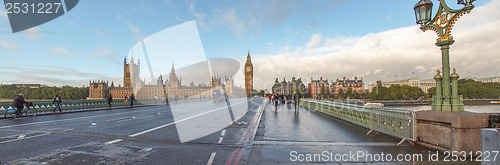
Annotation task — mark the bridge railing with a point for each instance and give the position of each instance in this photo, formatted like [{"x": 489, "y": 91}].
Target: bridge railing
[
  {"x": 47, "y": 106},
  {"x": 395, "y": 122}
]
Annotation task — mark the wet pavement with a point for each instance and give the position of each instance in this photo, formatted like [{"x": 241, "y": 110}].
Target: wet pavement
[
  {"x": 241, "y": 131},
  {"x": 312, "y": 137},
  {"x": 176, "y": 134}
]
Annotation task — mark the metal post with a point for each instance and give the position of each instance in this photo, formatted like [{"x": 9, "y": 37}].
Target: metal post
[
  {"x": 445, "y": 50},
  {"x": 438, "y": 98},
  {"x": 457, "y": 105}
]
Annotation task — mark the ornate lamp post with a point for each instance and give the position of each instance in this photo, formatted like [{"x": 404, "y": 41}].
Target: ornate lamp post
[{"x": 442, "y": 24}]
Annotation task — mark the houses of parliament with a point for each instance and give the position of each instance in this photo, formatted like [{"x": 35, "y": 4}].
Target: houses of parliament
[{"x": 172, "y": 87}]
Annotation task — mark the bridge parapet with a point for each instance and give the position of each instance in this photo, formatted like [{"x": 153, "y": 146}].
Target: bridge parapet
[{"x": 396, "y": 122}]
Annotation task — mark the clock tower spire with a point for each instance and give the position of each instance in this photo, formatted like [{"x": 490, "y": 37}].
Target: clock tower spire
[{"x": 249, "y": 75}]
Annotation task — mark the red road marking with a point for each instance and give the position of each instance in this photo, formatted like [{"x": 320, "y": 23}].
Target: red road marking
[
  {"x": 245, "y": 138},
  {"x": 232, "y": 156},
  {"x": 239, "y": 157}
]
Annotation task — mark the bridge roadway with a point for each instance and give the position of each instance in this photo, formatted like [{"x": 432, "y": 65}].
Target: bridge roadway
[{"x": 241, "y": 131}]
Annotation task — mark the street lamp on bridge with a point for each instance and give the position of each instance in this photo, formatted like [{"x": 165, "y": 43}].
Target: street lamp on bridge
[{"x": 442, "y": 24}]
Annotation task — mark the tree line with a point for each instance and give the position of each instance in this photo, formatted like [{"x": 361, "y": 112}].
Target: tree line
[
  {"x": 66, "y": 92},
  {"x": 468, "y": 88}
]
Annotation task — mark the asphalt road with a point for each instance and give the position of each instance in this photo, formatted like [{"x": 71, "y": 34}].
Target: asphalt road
[
  {"x": 191, "y": 133},
  {"x": 241, "y": 131}
]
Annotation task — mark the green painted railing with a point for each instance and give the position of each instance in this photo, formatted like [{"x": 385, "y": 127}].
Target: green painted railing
[
  {"x": 396, "y": 122},
  {"x": 46, "y": 106}
]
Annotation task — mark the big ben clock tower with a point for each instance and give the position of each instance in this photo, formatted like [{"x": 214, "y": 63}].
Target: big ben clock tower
[{"x": 249, "y": 76}]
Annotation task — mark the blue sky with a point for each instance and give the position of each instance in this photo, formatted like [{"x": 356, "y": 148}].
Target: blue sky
[{"x": 285, "y": 37}]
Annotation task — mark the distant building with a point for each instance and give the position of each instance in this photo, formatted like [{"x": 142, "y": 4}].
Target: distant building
[
  {"x": 414, "y": 82},
  {"x": 486, "y": 80},
  {"x": 173, "y": 86},
  {"x": 28, "y": 85},
  {"x": 288, "y": 88},
  {"x": 357, "y": 85},
  {"x": 315, "y": 87},
  {"x": 425, "y": 85}
]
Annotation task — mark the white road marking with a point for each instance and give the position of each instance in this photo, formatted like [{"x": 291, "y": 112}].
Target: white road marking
[
  {"x": 25, "y": 138},
  {"x": 145, "y": 150},
  {"x": 220, "y": 139},
  {"x": 161, "y": 126},
  {"x": 211, "y": 159},
  {"x": 113, "y": 141},
  {"x": 10, "y": 136},
  {"x": 117, "y": 119},
  {"x": 135, "y": 118},
  {"x": 21, "y": 136},
  {"x": 223, "y": 133}
]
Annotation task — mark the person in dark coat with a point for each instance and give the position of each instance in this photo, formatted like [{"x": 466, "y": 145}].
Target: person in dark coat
[
  {"x": 296, "y": 99},
  {"x": 110, "y": 99},
  {"x": 131, "y": 99},
  {"x": 19, "y": 103},
  {"x": 57, "y": 101}
]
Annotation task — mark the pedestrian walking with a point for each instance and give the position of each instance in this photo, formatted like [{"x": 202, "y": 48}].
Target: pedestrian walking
[
  {"x": 275, "y": 101},
  {"x": 110, "y": 99},
  {"x": 57, "y": 101},
  {"x": 126, "y": 100},
  {"x": 296, "y": 99},
  {"x": 131, "y": 99}
]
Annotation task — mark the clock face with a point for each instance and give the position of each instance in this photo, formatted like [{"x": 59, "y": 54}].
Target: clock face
[{"x": 248, "y": 69}]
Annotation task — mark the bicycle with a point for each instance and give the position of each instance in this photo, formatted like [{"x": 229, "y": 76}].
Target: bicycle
[{"x": 29, "y": 112}]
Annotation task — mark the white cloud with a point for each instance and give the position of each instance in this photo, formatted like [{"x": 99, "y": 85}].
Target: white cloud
[
  {"x": 102, "y": 52},
  {"x": 33, "y": 33},
  {"x": 388, "y": 17},
  {"x": 10, "y": 45},
  {"x": 389, "y": 55},
  {"x": 132, "y": 27},
  {"x": 59, "y": 50},
  {"x": 233, "y": 22},
  {"x": 71, "y": 23},
  {"x": 315, "y": 41}
]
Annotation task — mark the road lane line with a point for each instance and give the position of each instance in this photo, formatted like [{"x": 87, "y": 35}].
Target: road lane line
[
  {"x": 232, "y": 156},
  {"x": 223, "y": 133},
  {"x": 145, "y": 150},
  {"x": 117, "y": 119},
  {"x": 25, "y": 138},
  {"x": 211, "y": 159},
  {"x": 10, "y": 136},
  {"x": 113, "y": 141},
  {"x": 21, "y": 136},
  {"x": 249, "y": 132},
  {"x": 165, "y": 125},
  {"x": 237, "y": 160},
  {"x": 220, "y": 140},
  {"x": 134, "y": 118}
]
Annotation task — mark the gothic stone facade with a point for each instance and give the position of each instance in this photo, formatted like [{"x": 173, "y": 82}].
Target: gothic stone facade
[{"x": 172, "y": 87}]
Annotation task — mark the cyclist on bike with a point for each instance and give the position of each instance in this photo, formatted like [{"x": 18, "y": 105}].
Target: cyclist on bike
[{"x": 19, "y": 103}]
